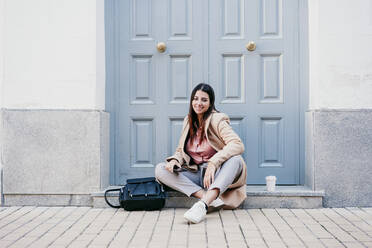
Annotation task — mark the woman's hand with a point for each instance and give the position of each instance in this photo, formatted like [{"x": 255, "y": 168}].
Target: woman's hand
[
  {"x": 170, "y": 165},
  {"x": 209, "y": 176}
]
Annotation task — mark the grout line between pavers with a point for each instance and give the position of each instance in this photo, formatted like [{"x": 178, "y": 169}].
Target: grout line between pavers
[
  {"x": 38, "y": 238},
  {"x": 153, "y": 229},
  {"x": 170, "y": 230},
  {"x": 102, "y": 228},
  {"x": 188, "y": 235},
  {"x": 306, "y": 227},
  {"x": 339, "y": 226},
  {"x": 116, "y": 234},
  {"x": 363, "y": 219},
  {"x": 280, "y": 236},
  {"x": 367, "y": 210},
  {"x": 240, "y": 228},
  {"x": 135, "y": 230},
  {"x": 206, "y": 232},
  {"x": 68, "y": 228},
  {"x": 258, "y": 228},
  {"x": 325, "y": 229},
  {"x": 36, "y": 225},
  {"x": 27, "y": 221},
  {"x": 10, "y": 210},
  {"x": 223, "y": 228},
  {"x": 86, "y": 227},
  {"x": 350, "y": 233},
  {"x": 15, "y": 212}
]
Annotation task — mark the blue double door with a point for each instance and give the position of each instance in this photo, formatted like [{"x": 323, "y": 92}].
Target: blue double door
[{"x": 246, "y": 49}]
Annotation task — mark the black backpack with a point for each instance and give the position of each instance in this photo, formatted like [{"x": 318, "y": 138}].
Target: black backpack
[{"x": 140, "y": 194}]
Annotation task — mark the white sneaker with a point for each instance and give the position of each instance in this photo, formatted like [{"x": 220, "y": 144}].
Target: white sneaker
[
  {"x": 215, "y": 205},
  {"x": 196, "y": 213}
]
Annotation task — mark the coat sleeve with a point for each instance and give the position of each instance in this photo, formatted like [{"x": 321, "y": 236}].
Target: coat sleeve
[
  {"x": 233, "y": 144},
  {"x": 178, "y": 154}
]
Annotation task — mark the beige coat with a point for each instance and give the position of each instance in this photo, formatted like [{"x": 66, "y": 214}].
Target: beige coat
[{"x": 227, "y": 143}]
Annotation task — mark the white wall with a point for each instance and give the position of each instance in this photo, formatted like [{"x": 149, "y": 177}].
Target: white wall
[
  {"x": 340, "y": 48},
  {"x": 54, "y": 54},
  {"x": 53, "y": 51},
  {"x": 1, "y": 91},
  {"x": 1, "y": 49}
]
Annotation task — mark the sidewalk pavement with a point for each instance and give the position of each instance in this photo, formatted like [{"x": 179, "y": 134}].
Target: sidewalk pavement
[{"x": 92, "y": 227}]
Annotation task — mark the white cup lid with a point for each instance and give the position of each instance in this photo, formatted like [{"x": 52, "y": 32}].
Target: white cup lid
[{"x": 271, "y": 178}]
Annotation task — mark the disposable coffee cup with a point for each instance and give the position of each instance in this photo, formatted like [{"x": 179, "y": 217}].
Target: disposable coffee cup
[{"x": 270, "y": 183}]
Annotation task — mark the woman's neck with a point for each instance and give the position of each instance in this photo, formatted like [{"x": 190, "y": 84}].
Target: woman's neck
[{"x": 200, "y": 120}]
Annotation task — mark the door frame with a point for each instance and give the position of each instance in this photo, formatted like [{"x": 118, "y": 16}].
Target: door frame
[{"x": 112, "y": 48}]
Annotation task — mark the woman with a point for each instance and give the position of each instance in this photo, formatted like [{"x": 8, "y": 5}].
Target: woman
[{"x": 207, "y": 162}]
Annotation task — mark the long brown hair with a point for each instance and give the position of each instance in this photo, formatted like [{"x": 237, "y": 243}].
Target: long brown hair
[{"x": 193, "y": 117}]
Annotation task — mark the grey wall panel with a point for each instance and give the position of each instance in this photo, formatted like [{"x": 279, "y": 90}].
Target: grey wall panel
[
  {"x": 342, "y": 153},
  {"x": 55, "y": 151}
]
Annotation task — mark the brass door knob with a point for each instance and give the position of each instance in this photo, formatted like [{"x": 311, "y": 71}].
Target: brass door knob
[
  {"x": 161, "y": 47},
  {"x": 251, "y": 46}
]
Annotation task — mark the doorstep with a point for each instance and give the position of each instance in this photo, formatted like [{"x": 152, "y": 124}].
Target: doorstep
[{"x": 297, "y": 196}]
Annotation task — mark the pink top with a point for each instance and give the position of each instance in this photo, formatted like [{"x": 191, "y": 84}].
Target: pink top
[{"x": 199, "y": 153}]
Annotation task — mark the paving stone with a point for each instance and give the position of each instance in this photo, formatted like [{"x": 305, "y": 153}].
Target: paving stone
[
  {"x": 23, "y": 242},
  {"x": 353, "y": 245},
  {"x": 331, "y": 243},
  {"x": 367, "y": 244}
]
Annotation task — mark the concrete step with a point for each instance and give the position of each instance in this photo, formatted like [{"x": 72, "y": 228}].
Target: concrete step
[{"x": 257, "y": 197}]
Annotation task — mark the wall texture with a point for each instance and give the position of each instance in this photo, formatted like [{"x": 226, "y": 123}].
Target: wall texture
[
  {"x": 340, "y": 54},
  {"x": 54, "y": 54},
  {"x": 55, "y": 152},
  {"x": 340, "y": 157}
]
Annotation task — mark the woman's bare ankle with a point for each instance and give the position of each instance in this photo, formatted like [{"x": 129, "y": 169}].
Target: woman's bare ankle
[
  {"x": 210, "y": 196},
  {"x": 199, "y": 194}
]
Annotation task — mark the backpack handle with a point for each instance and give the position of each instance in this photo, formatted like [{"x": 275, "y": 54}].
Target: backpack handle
[{"x": 111, "y": 190}]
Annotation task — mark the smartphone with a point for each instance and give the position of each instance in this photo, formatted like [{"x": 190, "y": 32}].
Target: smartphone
[{"x": 177, "y": 169}]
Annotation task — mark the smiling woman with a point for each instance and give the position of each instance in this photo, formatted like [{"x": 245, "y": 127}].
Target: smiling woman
[{"x": 207, "y": 162}]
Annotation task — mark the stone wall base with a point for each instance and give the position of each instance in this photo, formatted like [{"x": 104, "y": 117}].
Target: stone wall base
[
  {"x": 46, "y": 153},
  {"x": 47, "y": 200},
  {"x": 339, "y": 156},
  {"x": 257, "y": 197}
]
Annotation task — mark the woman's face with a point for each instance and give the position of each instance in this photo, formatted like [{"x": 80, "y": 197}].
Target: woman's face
[{"x": 201, "y": 102}]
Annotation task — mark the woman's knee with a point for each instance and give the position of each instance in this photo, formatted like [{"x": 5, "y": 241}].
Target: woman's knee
[
  {"x": 235, "y": 161},
  {"x": 160, "y": 170}
]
